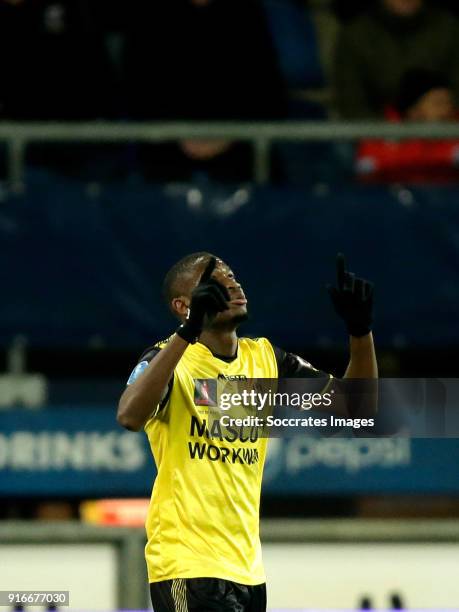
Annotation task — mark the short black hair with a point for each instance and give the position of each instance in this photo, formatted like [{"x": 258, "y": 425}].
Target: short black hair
[{"x": 171, "y": 283}]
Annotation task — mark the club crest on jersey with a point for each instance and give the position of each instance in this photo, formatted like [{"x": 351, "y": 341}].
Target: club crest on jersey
[
  {"x": 137, "y": 371},
  {"x": 205, "y": 392}
]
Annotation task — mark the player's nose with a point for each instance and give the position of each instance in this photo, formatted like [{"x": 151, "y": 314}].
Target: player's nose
[{"x": 237, "y": 288}]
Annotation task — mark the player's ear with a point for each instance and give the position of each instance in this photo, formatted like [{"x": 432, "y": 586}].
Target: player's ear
[{"x": 180, "y": 306}]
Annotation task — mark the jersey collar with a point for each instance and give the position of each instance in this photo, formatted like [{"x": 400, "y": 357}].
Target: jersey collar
[{"x": 203, "y": 348}]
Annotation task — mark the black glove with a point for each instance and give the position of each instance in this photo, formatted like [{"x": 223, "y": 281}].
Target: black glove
[
  {"x": 208, "y": 298},
  {"x": 353, "y": 300}
]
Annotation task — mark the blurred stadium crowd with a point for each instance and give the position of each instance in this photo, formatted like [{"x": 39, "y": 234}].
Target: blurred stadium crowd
[{"x": 234, "y": 60}]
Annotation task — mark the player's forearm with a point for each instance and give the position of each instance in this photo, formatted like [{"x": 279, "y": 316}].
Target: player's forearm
[
  {"x": 140, "y": 399},
  {"x": 362, "y": 362},
  {"x": 362, "y": 394}
]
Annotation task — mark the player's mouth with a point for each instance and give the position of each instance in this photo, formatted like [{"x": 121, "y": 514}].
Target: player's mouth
[{"x": 239, "y": 301}]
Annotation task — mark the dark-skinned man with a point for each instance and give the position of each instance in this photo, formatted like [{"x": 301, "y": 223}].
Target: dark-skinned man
[{"x": 203, "y": 551}]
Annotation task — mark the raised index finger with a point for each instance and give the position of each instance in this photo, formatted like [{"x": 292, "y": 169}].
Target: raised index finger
[
  {"x": 209, "y": 270},
  {"x": 340, "y": 270}
]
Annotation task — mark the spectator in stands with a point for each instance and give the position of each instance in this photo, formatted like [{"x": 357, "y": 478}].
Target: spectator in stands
[
  {"x": 53, "y": 62},
  {"x": 423, "y": 95},
  {"x": 375, "y": 49},
  {"x": 201, "y": 60},
  {"x": 55, "y": 66}
]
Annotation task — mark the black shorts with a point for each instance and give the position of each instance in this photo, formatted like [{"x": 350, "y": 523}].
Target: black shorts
[{"x": 206, "y": 595}]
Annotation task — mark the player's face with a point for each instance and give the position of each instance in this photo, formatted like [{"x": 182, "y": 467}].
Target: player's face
[
  {"x": 237, "y": 311},
  {"x": 238, "y": 302}
]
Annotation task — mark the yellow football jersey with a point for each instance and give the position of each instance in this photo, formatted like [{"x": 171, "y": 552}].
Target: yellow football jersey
[{"x": 203, "y": 519}]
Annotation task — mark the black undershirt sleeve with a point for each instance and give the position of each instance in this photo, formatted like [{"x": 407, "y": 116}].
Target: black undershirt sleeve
[{"x": 290, "y": 365}]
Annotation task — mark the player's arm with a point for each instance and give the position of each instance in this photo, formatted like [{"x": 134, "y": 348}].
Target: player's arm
[
  {"x": 141, "y": 399},
  {"x": 146, "y": 392},
  {"x": 362, "y": 360},
  {"x": 353, "y": 302}
]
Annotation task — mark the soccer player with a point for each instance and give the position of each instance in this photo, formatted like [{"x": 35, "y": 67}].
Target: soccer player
[{"x": 203, "y": 551}]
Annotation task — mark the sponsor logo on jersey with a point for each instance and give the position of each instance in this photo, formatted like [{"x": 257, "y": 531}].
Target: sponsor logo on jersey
[
  {"x": 205, "y": 392},
  {"x": 232, "y": 377},
  {"x": 206, "y": 448}
]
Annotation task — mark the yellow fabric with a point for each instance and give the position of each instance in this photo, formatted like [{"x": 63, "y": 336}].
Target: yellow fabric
[{"x": 203, "y": 519}]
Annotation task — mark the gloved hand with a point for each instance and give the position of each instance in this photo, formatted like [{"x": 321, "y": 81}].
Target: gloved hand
[
  {"x": 352, "y": 300},
  {"x": 208, "y": 298}
]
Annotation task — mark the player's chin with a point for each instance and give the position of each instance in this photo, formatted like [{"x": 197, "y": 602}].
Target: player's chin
[
  {"x": 237, "y": 310},
  {"x": 239, "y": 316},
  {"x": 235, "y": 314}
]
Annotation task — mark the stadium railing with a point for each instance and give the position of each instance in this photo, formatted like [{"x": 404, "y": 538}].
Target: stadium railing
[
  {"x": 129, "y": 542},
  {"x": 262, "y": 135}
]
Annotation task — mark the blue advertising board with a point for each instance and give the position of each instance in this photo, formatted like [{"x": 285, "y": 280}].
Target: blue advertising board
[{"x": 81, "y": 451}]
